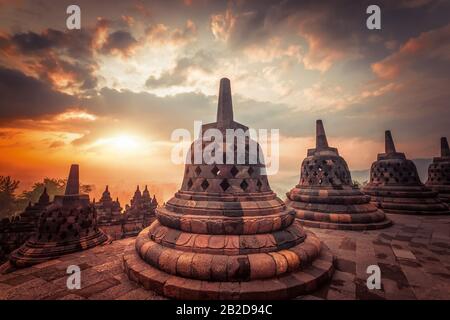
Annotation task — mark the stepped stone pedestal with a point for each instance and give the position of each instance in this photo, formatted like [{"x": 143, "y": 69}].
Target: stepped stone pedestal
[
  {"x": 439, "y": 173},
  {"x": 67, "y": 225},
  {"x": 225, "y": 234},
  {"x": 395, "y": 185},
  {"x": 326, "y": 197}
]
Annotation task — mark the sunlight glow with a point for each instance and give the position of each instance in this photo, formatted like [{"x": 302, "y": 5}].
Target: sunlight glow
[
  {"x": 76, "y": 115},
  {"x": 121, "y": 143}
]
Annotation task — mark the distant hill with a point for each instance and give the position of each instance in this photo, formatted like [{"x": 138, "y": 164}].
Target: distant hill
[{"x": 422, "y": 168}]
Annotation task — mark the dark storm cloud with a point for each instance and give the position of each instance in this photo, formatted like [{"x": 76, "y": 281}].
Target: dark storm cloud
[
  {"x": 201, "y": 60},
  {"x": 77, "y": 44},
  {"x": 119, "y": 41},
  {"x": 63, "y": 59},
  {"x": 26, "y": 97}
]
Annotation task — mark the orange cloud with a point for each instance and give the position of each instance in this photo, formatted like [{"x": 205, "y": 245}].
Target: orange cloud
[
  {"x": 163, "y": 35},
  {"x": 434, "y": 44},
  {"x": 222, "y": 25}
]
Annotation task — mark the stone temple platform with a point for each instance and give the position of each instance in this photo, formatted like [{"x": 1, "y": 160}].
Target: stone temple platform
[{"x": 413, "y": 255}]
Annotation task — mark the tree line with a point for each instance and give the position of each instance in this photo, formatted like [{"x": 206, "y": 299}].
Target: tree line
[{"x": 12, "y": 203}]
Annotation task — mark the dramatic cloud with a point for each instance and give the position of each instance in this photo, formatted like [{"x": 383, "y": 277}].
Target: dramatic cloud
[
  {"x": 121, "y": 42},
  {"x": 201, "y": 61},
  {"x": 162, "y": 34},
  {"x": 24, "y": 96},
  {"x": 111, "y": 93},
  {"x": 429, "y": 46}
]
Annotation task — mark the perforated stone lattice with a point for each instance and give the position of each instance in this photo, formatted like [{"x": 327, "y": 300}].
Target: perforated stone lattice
[
  {"x": 391, "y": 172},
  {"x": 224, "y": 178},
  {"x": 439, "y": 173},
  {"x": 325, "y": 172},
  {"x": 62, "y": 224}
]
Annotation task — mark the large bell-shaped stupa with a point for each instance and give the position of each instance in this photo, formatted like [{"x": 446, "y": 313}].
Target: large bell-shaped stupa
[{"x": 225, "y": 234}]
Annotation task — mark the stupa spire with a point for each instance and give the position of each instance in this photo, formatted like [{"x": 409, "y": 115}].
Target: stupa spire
[
  {"x": 225, "y": 103},
  {"x": 445, "y": 150},
  {"x": 321, "y": 137},
  {"x": 44, "y": 198},
  {"x": 73, "y": 182},
  {"x": 389, "y": 142}
]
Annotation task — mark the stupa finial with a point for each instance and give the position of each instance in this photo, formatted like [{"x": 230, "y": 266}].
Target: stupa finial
[
  {"x": 225, "y": 104},
  {"x": 73, "y": 182},
  {"x": 321, "y": 138},
  {"x": 107, "y": 188},
  {"x": 389, "y": 143},
  {"x": 445, "y": 150}
]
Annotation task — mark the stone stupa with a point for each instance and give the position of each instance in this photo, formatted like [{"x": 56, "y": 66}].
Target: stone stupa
[
  {"x": 14, "y": 232},
  {"x": 395, "y": 186},
  {"x": 326, "y": 197},
  {"x": 439, "y": 173},
  {"x": 67, "y": 225},
  {"x": 225, "y": 234}
]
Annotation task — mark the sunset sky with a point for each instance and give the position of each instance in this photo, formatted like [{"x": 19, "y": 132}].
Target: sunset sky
[{"x": 108, "y": 96}]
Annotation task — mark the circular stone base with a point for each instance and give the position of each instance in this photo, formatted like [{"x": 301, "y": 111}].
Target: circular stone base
[
  {"x": 34, "y": 252},
  {"x": 408, "y": 207},
  {"x": 357, "y": 217},
  {"x": 286, "y": 286},
  {"x": 346, "y": 226}
]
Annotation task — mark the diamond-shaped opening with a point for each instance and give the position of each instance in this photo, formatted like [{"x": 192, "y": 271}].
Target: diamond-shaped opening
[
  {"x": 198, "y": 170},
  {"x": 244, "y": 185},
  {"x": 205, "y": 185},
  {"x": 215, "y": 171},
  {"x": 234, "y": 171},
  {"x": 259, "y": 184},
  {"x": 250, "y": 170},
  {"x": 190, "y": 184},
  {"x": 224, "y": 184}
]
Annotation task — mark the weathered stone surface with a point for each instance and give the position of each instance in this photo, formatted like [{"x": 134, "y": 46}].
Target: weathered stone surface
[
  {"x": 326, "y": 196},
  {"x": 224, "y": 229},
  {"x": 395, "y": 186},
  {"x": 408, "y": 270}
]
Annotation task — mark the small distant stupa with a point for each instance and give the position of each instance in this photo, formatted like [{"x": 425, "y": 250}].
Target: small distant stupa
[
  {"x": 326, "y": 196},
  {"x": 140, "y": 214},
  {"x": 395, "y": 185},
  {"x": 68, "y": 225},
  {"x": 439, "y": 173},
  {"x": 14, "y": 232},
  {"x": 226, "y": 235},
  {"x": 108, "y": 210}
]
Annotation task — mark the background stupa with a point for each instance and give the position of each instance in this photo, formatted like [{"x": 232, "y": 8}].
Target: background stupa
[
  {"x": 226, "y": 235},
  {"x": 439, "y": 173},
  {"x": 68, "y": 225},
  {"x": 326, "y": 197},
  {"x": 395, "y": 185}
]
